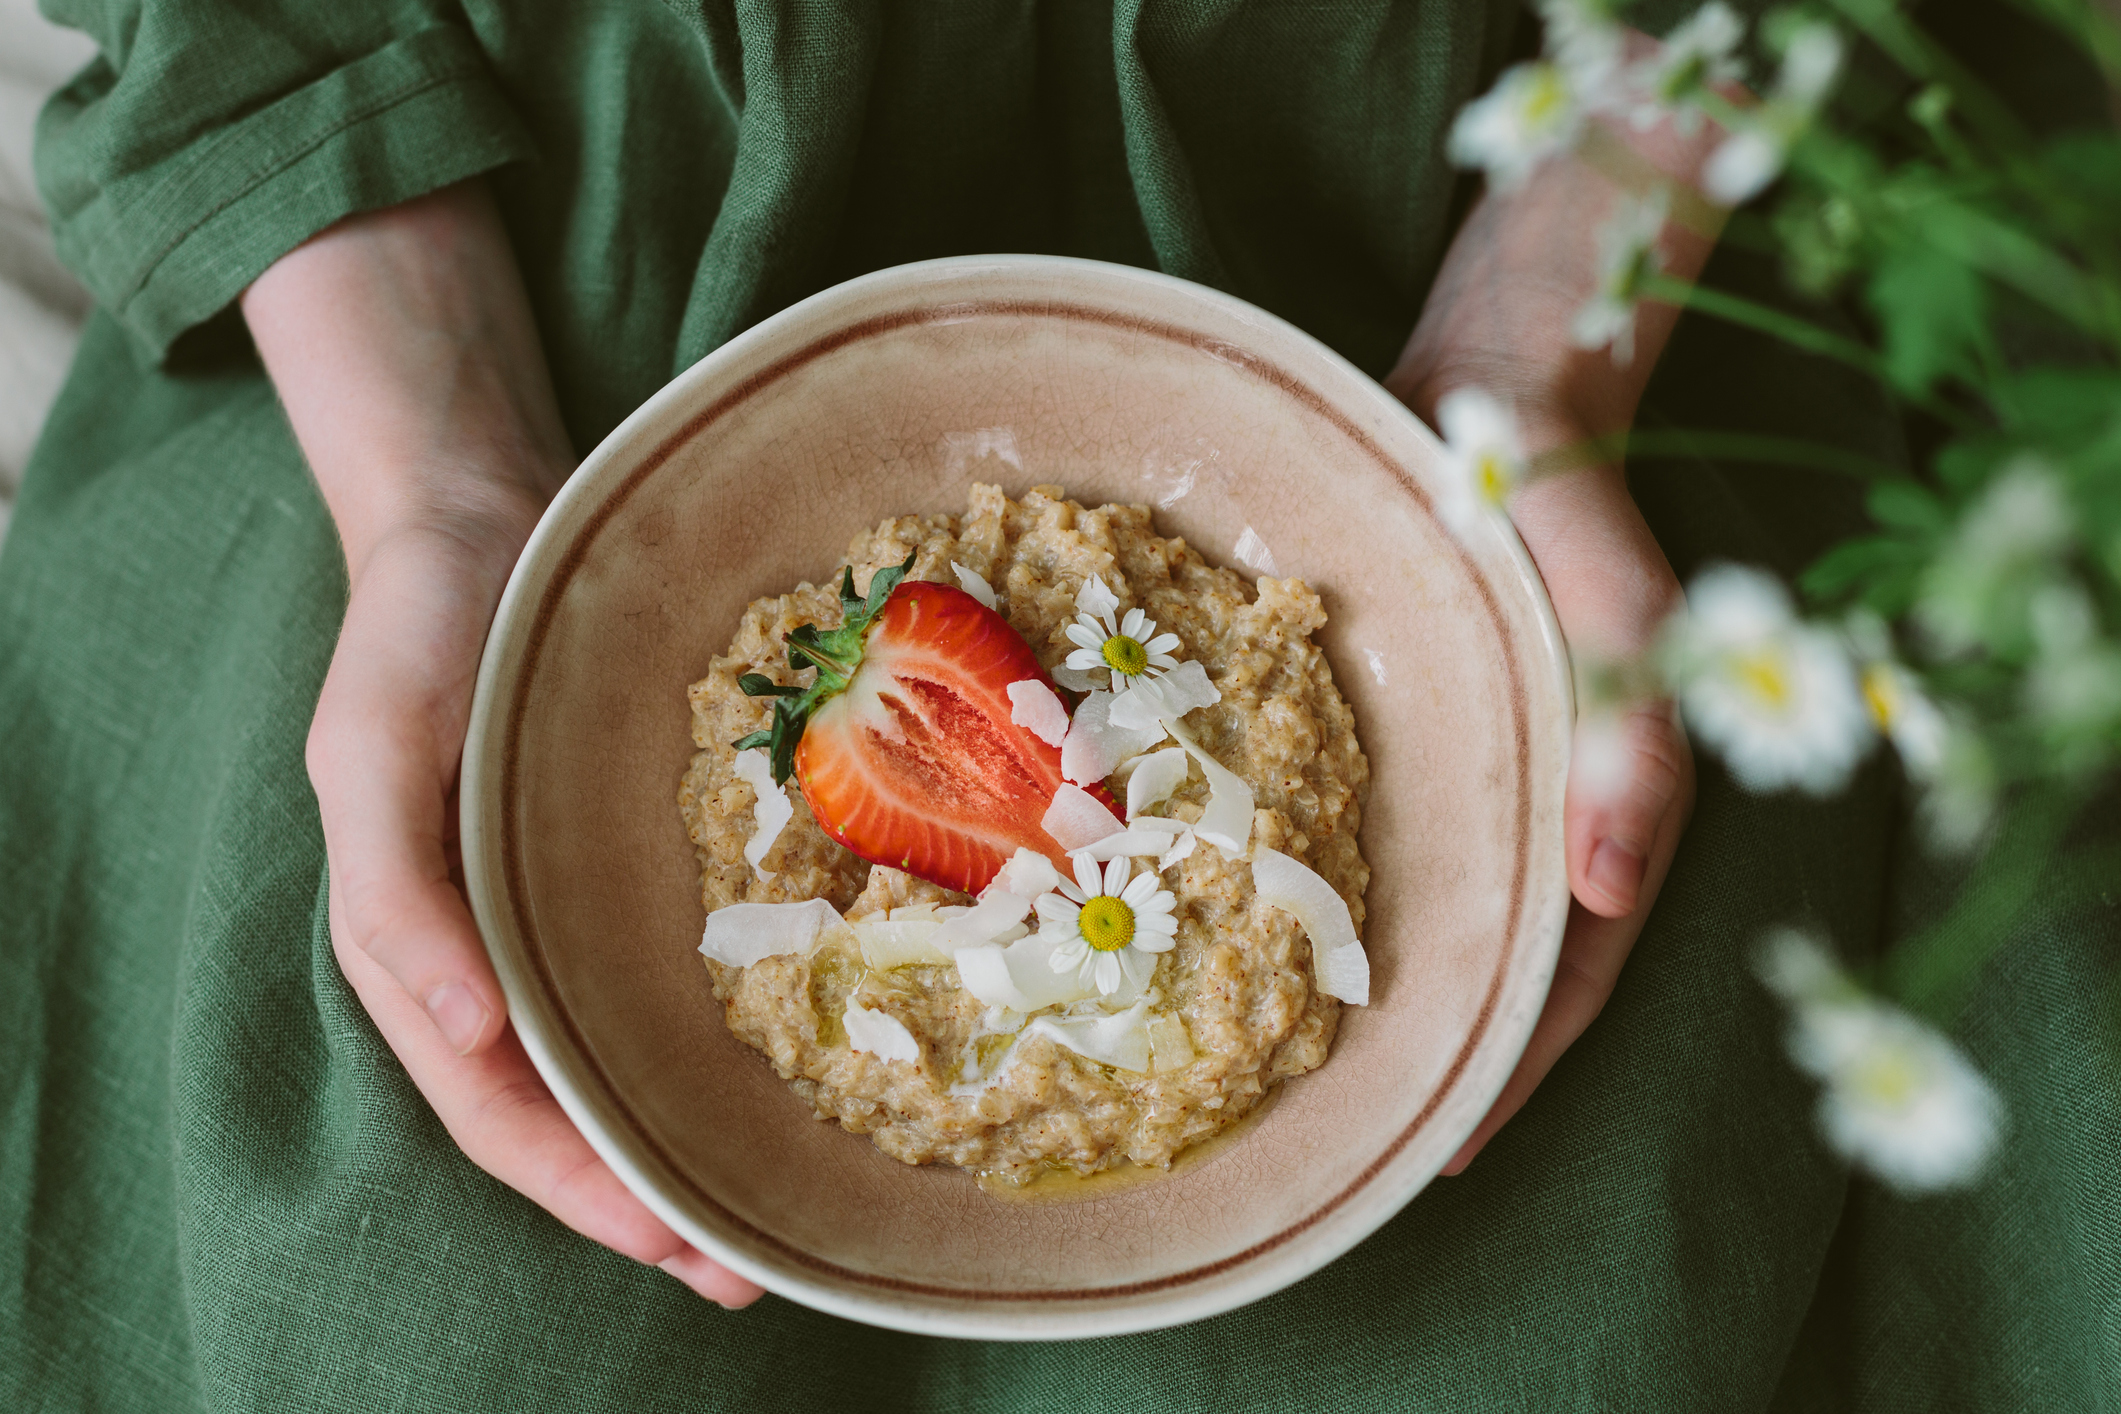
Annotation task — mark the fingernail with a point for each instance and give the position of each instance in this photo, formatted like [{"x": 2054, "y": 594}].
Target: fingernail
[
  {"x": 460, "y": 1016},
  {"x": 1616, "y": 872}
]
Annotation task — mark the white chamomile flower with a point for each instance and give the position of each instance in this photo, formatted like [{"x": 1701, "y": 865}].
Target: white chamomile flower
[
  {"x": 1900, "y": 1100},
  {"x": 1742, "y": 166},
  {"x": 2006, "y": 542},
  {"x": 1130, "y": 647},
  {"x": 1484, "y": 459},
  {"x": 1534, "y": 112},
  {"x": 1586, "y": 42},
  {"x": 1775, "y": 696},
  {"x": 1903, "y": 712},
  {"x": 1108, "y": 930},
  {"x": 1695, "y": 57},
  {"x": 1627, "y": 256}
]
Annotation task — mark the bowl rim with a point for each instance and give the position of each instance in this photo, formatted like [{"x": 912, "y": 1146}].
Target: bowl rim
[{"x": 564, "y": 531}]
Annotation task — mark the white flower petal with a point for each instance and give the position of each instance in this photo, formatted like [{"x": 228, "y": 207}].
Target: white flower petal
[
  {"x": 1132, "y": 624},
  {"x": 879, "y": 1033},
  {"x": 1087, "y": 876},
  {"x": 1087, "y": 660},
  {"x": 1020, "y": 976},
  {"x": 975, "y": 584},
  {"x": 743, "y": 933},
  {"x": 1033, "y": 707},
  {"x": 1164, "y": 699},
  {"x": 771, "y": 809},
  {"x": 1138, "y": 890},
  {"x": 1089, "y": 638},
  {"x": 1741, "y": 167},
  {"x": 1162, "y": 643},
  {"x": 1107, "y": 973},
  {"x": 1057, "y": 910}
]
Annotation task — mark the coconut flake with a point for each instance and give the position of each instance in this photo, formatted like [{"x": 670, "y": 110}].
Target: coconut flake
[
  {"x": 1020, "y": 976},
  {"x": 770, "y": 811},
  {"x": 1127, "y": 844},
  {"x": 1028, "y": 874},
  {"x": 1033, "y": 707},
  {"x": 1077, "y": 818},
  {"x": 744, "y": 933},
  {"x": 1338, "y": 963},
  {"x": 1093, "y": 748},
  {"x": 1227, "y": 821},
  {"x": 996, "y": 912},
  {"x": 900, "y": 942},
  {"x": 1155, "y": 776},
  {"x": 1077, "y": 679},
  {"x": 1169, "y": 1043},
  {"x": 1120, "y": 1041},
  {"x": 1181, "y": 848},
  {"x": 879, "y": 1033},
  {"x": 975, "y": 584},
  {"x": 1148, "y": 701}
]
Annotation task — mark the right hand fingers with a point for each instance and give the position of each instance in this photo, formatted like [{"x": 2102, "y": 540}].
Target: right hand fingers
[
  {"x": 383, "y": 751},
  {"x": 499, "y": 1112}
]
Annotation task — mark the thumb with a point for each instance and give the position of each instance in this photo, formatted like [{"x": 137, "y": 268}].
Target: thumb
[{"x": 1628, "y": 776}]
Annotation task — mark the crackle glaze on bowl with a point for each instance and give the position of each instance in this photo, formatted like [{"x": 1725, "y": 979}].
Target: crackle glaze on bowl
[{"x": 891, "y": 394}]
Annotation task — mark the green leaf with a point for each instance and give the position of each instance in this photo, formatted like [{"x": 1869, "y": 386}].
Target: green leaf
[
  {"x": 756, "y": 739},
  {"x": 1933, "y": 315},
  {"x": 1906, "y": 505},
  {"x": 759, "y": 685}
]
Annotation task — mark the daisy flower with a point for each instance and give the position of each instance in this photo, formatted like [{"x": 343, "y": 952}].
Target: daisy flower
[
  {"x": 1903, "y": 712},
  {"x": 1777, "y": 697},
  {"x": 1627, "y": 256},
  {"x": 1750, "y": 158},
  {"x": 1484, "y": 456},
  {"x": 1899, "y": 1099},
  {"x": 1534, "y": 112},
  {"x": 1697, "y": 56},
  {"x": 1130, "y": 647},
  {"x": 1108, "y": 930}
]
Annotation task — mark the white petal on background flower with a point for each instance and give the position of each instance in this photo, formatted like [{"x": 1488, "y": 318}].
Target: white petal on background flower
[
  {"x": 744, "y": 933},
  {"x": 880, "y": 1033},
  {"x": 1338, "y": 963},
  {"x": 1627, "y": 256},
  {"x": 1811, "y": 61},
  {"x": 1899, "y": 1100},
  {"x": 1226, "y": 823},
  {"x": 1960, "y": 803},
  {"x": 1120, "y": 1041},
  {"x": 1157, "y": 775},
  {"x": 1077, "y": 818},
  {"x": 771, "y": 809},
  {"x": 1531, "y": 114},
  {"x": 1150, "y": 701},
  {"x": 2005, "y": 542},
  {"x": 1741, "y": 166},
  {"x": 1033, "y": 707},
  {"x": 1696, "y": 56},
  {"x": 975, "y": 584},
  {"x": 1583, "y": 38},
  {"x": 1094, "y": 747},
  {"x": 1484, "y": 458},
  {"x": 1777, "y": 698}
]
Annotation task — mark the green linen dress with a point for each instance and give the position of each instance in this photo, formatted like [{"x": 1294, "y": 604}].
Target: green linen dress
[{"x": 221, "y": 1193}]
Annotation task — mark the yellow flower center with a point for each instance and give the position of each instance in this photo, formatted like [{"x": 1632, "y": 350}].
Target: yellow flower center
[
  {"x": 1546, "y": 96},
  {"x": 1765, "y": 673},
  {"x": 1493, "y": 477},
  {"x": 1106, "y": 923},
  {"x": 1124, "y": 655},
  {"x": 1888, "y": 1077},
  {"x": 1883, "y": 693}
]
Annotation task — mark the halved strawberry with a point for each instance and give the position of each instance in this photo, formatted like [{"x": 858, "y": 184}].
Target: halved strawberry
[{"x": 904, "y": 745}]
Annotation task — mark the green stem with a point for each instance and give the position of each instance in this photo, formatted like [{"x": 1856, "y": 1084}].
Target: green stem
[{"x": 1717, "y": 446}]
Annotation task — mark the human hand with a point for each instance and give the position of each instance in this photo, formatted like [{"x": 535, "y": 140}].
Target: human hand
[
  {"x": 1498, "y": 318},
  {"x": 402, "y": 346}
]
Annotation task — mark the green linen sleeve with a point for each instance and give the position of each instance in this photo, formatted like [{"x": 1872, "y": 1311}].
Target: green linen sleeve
[{"x": 210, "y": 139}]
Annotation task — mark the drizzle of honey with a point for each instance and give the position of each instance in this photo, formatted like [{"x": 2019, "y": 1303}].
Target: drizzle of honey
[{"x": 1065, "y": 1185}]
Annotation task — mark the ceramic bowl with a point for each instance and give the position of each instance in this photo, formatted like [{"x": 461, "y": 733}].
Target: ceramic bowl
[{"x": 890, "y": 394}]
